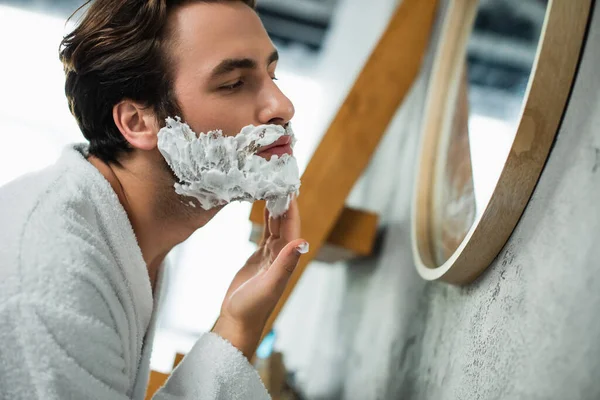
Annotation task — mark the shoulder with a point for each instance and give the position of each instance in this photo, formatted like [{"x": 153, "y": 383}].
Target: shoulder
[
  {"x": 54, "y": 248},
  {"x": 67, "y": 239}
]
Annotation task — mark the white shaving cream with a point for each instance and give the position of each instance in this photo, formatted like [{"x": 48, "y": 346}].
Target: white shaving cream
[
  {"x": 303, "y": 248},
  {"x": 217, "y": 169}
]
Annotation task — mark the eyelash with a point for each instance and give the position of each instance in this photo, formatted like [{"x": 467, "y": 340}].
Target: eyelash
[
  {"x": 238, "y": 85},
  {"x": 234, "y": 86}
]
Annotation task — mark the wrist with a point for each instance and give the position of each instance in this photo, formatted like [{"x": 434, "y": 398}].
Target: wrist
[{"x": 245, "y": 340}]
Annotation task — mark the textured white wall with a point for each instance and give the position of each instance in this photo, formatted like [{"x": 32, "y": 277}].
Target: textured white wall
[{"x": 527, "y": 329}]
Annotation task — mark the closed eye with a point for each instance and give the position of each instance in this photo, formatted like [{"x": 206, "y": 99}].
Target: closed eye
[{"x": 233, "y": 86}]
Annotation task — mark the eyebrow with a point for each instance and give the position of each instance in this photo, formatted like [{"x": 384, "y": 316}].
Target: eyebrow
[{"x": 232, "y": 64}]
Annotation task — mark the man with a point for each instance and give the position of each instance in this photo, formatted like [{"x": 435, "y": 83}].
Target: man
[{"x": 83, "y": 242}]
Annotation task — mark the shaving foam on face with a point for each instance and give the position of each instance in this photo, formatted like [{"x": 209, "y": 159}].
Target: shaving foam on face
[{"x": 217, "y": 169}]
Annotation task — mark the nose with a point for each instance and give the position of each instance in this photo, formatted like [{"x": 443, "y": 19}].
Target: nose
[{"x": 276, "y": 108}]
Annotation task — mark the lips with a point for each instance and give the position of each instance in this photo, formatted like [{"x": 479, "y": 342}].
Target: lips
[{"x": 281, "y": 146}]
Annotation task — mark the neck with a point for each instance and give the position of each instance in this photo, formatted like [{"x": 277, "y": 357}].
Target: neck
[{"x": 159, "y": 220}]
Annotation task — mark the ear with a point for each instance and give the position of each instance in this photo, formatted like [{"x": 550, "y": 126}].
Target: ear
[{"x": 137, "y": 124}]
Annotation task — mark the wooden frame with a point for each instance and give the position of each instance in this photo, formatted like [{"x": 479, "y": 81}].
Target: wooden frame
[{"x": 545, "y": 100}]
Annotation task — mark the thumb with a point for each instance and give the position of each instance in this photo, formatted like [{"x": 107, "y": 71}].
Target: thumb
[{"x": 284, "y": 265}]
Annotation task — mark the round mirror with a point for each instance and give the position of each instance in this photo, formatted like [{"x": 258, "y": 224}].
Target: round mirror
[{"x": 499, "y": 85}]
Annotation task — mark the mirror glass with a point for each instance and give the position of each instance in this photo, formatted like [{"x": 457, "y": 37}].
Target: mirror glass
[{"x": 483, "y": 109}]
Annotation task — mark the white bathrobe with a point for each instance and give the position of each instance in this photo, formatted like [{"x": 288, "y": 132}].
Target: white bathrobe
[{"x": 76, "y": 307}]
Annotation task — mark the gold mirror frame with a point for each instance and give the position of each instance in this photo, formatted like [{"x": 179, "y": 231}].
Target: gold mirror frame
[{"x": 545, "y": 99}]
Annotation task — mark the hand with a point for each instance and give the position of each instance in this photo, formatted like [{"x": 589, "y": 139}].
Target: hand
[{"x": 258, "y": 286}]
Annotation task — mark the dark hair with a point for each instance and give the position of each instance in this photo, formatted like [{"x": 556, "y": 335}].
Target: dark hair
[{"x": 118, "y": 52}]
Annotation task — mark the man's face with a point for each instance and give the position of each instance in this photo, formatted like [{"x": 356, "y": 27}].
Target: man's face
[{"x": 224, "y": 69}]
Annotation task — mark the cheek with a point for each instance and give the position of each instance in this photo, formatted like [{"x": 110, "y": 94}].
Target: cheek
[
  {"x": 227, "y": 113},
  {"x": 230, "y": 120}
]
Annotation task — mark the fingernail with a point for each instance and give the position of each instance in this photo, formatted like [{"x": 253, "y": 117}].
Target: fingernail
[{"x": 302, "y": 248}]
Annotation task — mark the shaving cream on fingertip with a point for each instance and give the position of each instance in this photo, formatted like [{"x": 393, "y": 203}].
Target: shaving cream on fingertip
[{"x": 303, "y": 248}]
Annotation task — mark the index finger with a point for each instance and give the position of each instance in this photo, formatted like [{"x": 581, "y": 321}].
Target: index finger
[
  {"x": 289, "y": 225},
  {"x": 266, "y": 229}
]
